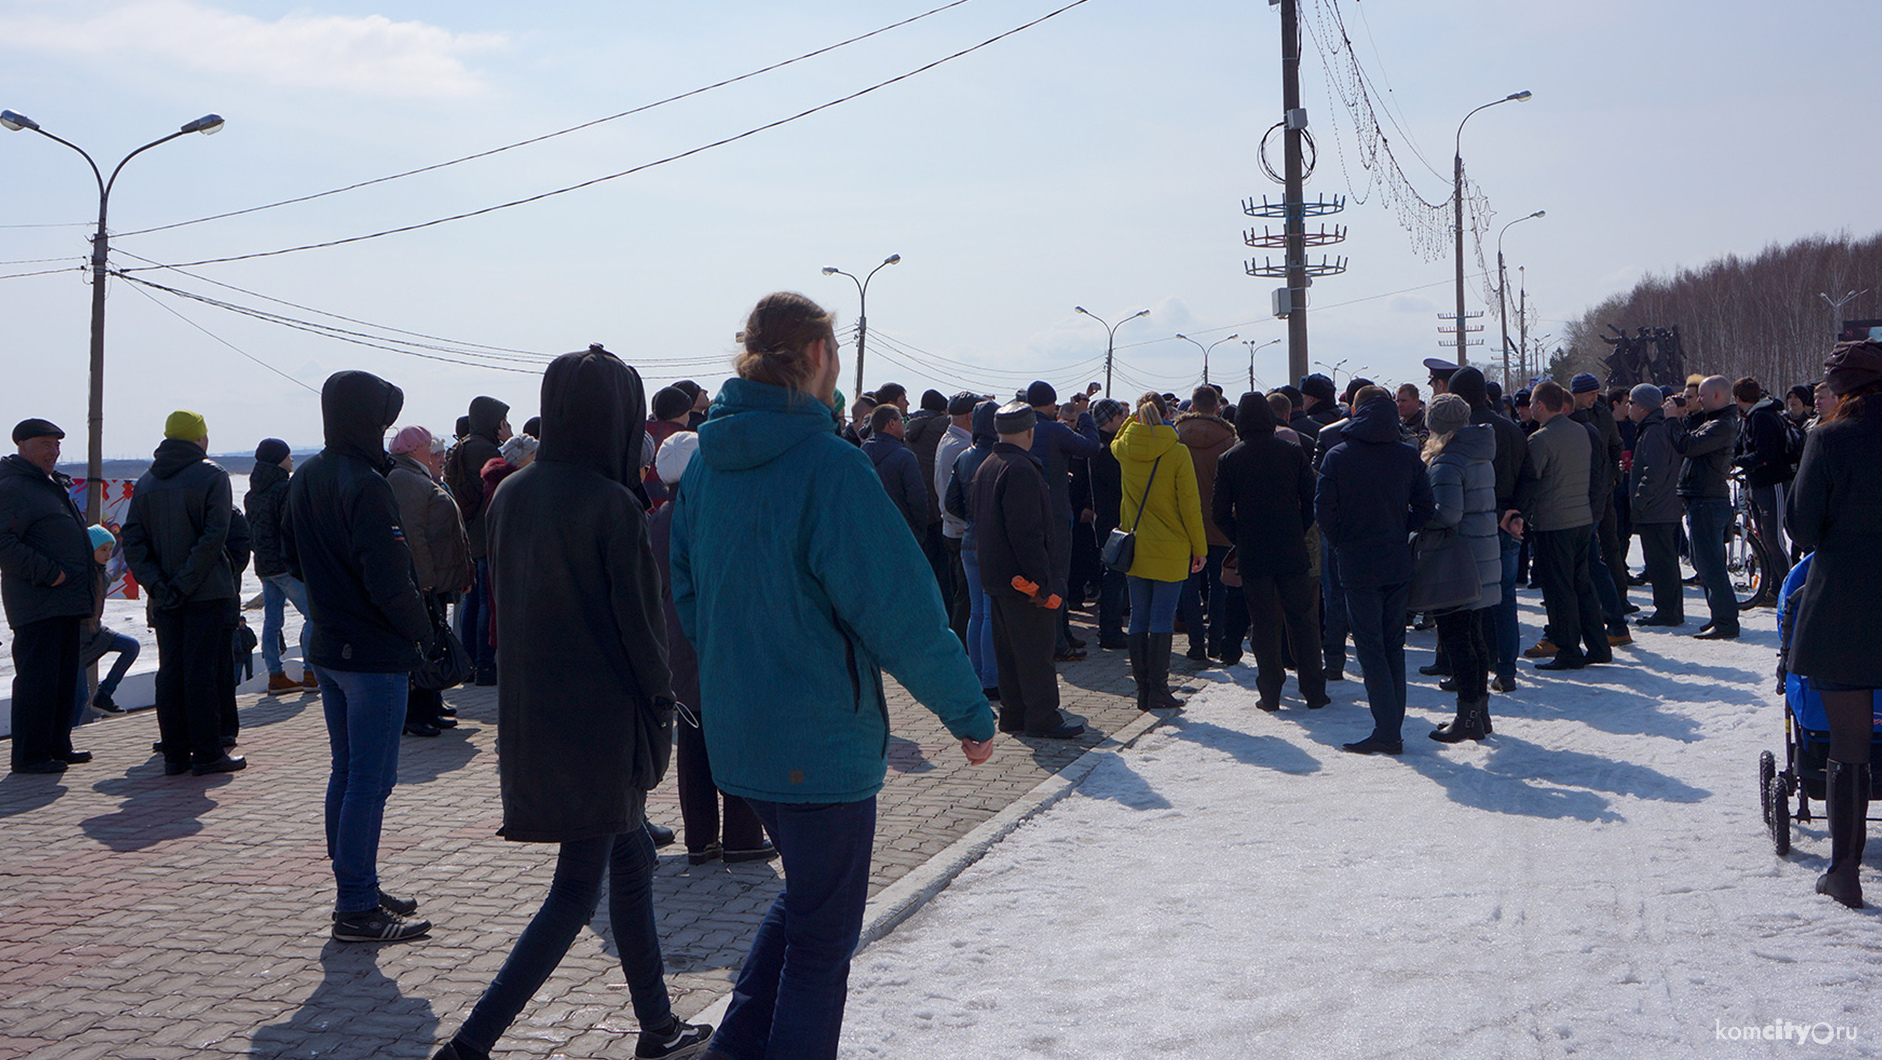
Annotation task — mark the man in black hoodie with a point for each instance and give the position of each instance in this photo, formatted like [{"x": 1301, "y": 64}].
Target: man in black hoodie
[
  {"x": 175, "y": 541},
  {"x": 46, "y": 581},
  {"x": 267, "y": 489},
  {"x": 340, "y": 534},
  {"x": 463, "y": 476}
]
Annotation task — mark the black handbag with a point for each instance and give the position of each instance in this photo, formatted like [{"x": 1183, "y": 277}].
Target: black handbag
[
  {"x": 1120, "y": 549},
  {"x": 449, "y": 664},
  {"x": 653, "y": 743},
  {"x": 1444, "y": 574}
]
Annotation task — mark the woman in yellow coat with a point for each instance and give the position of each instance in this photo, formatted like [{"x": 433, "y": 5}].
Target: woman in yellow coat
[{"x": 1171, "y": 541}]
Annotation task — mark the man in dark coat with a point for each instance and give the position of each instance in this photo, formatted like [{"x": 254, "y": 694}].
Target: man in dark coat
[
  {"x": 585, "y": 706},
  {"x": 1592, "y": 407},
  {"x": 1012, "y": 513},
  {"x": 1764, "y": 456},
  {"x": 1372, "y": 495},
  {"x": 47, "y": 585},
  {"x": 175, "y": 541},
  {"x": 898, "y": 468},
  {"x": 1263, "y": 500},
  {"x": 267, "y": 490},
  {"x": 1335, "y": 626},
  {"x": 1107, "y": 498},
  {"x": 1056, "y": 444},
  {"x": 1705, "y": 436},
  {"x": 463, "y": 476},
  {"x": 1655, "y": 506},
  {"x": 1560, "y": 523},
  {"x": 1319, "y": 407},
  {"x": 341, "y": 535},
  {"x": 922, "y": 433}
]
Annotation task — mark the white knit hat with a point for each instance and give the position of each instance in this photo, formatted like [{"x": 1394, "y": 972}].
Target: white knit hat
[{"x": 675, "y": 456}]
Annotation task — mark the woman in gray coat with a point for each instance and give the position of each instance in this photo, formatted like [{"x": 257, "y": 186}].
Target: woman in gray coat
[{"x": 1463, "y": 484}]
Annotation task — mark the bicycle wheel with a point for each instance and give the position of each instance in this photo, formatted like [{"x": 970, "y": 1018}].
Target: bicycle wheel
[{"x": 1745, "y": 564}]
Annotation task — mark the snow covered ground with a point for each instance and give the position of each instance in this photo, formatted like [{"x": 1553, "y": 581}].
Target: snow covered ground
[{"x": 1594, "y": 880}]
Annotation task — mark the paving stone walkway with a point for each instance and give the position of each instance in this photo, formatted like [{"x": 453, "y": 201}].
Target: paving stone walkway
[{"x": 145, "y": 917}]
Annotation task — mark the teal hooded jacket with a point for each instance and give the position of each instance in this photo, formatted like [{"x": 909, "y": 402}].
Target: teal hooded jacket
[{"x": 797, "y": 581}]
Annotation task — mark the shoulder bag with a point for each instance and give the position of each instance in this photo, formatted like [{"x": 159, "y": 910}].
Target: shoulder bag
[{"x": 1120, "y": 549}]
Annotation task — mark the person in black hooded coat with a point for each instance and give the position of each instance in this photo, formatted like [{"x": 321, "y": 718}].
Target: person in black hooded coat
[
  {"x": 463, "y": 475},
  {"x": 1264, "y": 502},
  {"x": 585, "y": 703},
  {"x": 340, "y": 536}
]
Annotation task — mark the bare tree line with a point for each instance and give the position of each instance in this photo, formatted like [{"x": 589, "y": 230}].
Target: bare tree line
[{"x": 1761, "y": 316}]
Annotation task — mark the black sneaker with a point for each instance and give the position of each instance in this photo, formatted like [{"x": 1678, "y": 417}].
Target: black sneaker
[
  {"x": 704, "y": 856},
  {"x": 761, "y": 852},
  {"x": 102, "y": 701},
  {"x": 392, "y": 903},
  {"x": 378, "y": 925},
  {"x": 681, "y": 1040}
]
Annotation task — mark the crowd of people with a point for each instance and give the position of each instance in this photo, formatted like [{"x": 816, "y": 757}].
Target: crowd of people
[{"x": 620, "y": 564}]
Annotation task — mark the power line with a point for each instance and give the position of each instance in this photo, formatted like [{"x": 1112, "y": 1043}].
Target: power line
[
  {"x": 550, "y": 136},
  {"x": 41, "y": 272},
  {"x": 172, "y": 311},
  {"x": 644, "y": 166},
  {"x": 41, "y": 261}
]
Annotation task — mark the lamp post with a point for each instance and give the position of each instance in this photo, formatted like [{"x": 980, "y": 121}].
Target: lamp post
[
  {"x": 1457, "y": 204},
  {"x": 1254, "y": 348},
  {"x": 1502, "y": 302},
  {"x": 862, "y": 307},
  {"x": 1110, "y": 338},
  {"x": 1836, "y": 309},
  {"x": 100, "y": 246},
  {"x": 1205, "y": 351}
]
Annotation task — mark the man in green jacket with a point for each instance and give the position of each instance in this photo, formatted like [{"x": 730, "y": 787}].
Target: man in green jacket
[{"x": 798, "y": 582}]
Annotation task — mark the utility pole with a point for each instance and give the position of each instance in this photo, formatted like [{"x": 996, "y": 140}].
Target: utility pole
[
  {"x": 1296, "y": 250},
  {"x": 1522, "y": 315},
  {"x": 862, "y": 307}
]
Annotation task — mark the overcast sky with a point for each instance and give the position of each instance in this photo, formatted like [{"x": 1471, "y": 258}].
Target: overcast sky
[{"x": 1099, "y": 159}]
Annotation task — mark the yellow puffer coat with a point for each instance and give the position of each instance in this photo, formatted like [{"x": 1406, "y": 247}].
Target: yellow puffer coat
[{"x": 1172, "y": 529}]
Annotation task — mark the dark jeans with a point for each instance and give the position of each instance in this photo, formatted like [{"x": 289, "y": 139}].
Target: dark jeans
[
  {"x": 1659, "y": 544},
  {"x": 1206, "y": 585},
  {"x": 955, "y": 593},
  {"x": 1706, "y": 522},
  {"x": 1113, "y": 594},
  {"x": 1509, "y": 638},
  {"x": 629, "y": 861},
  {"x": 1460, "y": 633},
  {"x": 1023, "y": 634},
  {"x": 1767, "y": 508},
  {"x": 364, "y": 715},
  {"x": 192, "y": 650},
  {"x": 1568, "y": 594},
  {"x": 1275, "y": 603},
  {"x": 699, "y": 800},
  {"x": 1378, "y": 620},
  {"x": 45, "y": 671},
  {"x": 1335, "y": 623},
  {"x": 1603, "y": 581},
  {"x": 788, "y": 1001}
]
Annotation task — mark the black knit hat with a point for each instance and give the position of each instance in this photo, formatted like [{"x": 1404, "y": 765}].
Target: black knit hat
[
  {"x": 1041, "y": 393},
  {"x": 933, "y": 401},
  {"x": 271, "y": 451},
  {"x": 670, "y": 402}
]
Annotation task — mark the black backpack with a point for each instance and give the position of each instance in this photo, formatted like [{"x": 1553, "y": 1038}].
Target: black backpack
[{"x": 1793, "y": 443}]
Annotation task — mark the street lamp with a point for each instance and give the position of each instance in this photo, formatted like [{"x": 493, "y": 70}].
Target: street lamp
[
  {"x": 1205, "y": 352},
  {"x": 1253, "y": 348},
  {"x": 1110, "y": 338},
  {"x": 1502, "y": 302},
  {"x": 100, "y": 246},
  {"x": 1836, "y": 309},
  {"x": 1457, "y": 203},
  {"x": 862, "y": 307}
]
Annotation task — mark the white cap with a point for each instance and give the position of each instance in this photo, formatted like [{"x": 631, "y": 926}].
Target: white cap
[{"x": 675, "y": 456}]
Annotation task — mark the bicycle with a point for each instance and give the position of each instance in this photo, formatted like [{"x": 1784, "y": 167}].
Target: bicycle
[{"x": 1747, "y": 558}]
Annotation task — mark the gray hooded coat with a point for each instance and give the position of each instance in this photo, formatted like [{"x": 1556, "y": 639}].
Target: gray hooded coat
[{"x": 1463, "y": 483}]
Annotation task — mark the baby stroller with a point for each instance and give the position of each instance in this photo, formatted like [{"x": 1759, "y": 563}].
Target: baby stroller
[{"x": 1806, "y": 733}]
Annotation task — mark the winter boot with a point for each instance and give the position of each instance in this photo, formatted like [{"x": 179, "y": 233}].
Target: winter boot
[
  {"x": 1468, "y": 725},
  {"x": 1159, "y": 657},
  {"x": 1846, "y": 790},
  {"x": 1139, "y": 646}
]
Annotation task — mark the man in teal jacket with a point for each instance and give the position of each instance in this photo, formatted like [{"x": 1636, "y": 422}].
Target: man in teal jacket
[{"x": 798, "y": 582}]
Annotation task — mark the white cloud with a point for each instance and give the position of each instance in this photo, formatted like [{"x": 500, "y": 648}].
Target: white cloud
[{"x": 370, "y": 55}]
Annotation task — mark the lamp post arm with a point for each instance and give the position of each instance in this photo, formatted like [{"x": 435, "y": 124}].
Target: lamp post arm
[{"x": 105, "y": 191}]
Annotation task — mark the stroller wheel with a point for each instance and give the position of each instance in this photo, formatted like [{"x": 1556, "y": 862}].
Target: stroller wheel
[{"x": 1775, "y": 804}]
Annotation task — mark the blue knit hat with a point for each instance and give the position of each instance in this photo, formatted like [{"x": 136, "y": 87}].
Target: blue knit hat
[
  {"x": 1583, "y": 383},
  {"x": 100, "y": 537}
]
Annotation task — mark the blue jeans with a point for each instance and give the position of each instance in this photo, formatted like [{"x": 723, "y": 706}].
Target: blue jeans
[
  {"x": 364, "y": 715},
  {"x": 474, "y": 617},
  {"x": 1706, "y": 522},
  {"x": 628, "y": 861},
  {"x": 979, "y": 622},
  {"x": 277, "y": 591},
  {"x": 1207, "y": 580},
  {"x": 1378, "y": 620},
  {"x": 126, "y": 648},
  {"x": 1604, "y": 590},
  {"x": 1153, "y": 604},
  {"x": 1335, "y": 624},
  {"x": 788, "y": 1001},
  {"x": 1508, "y": 634}
]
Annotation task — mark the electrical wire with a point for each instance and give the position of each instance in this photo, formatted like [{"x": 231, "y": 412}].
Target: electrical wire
[
  {"x": 644, "y": 166},
  {"x": 1324, "y": 308},
  {"x": 173, "y": 312},
  {"x": 40, "y": 261},
  {"x": 41, "y": 272},
  {"x": 643, "y": 108}
]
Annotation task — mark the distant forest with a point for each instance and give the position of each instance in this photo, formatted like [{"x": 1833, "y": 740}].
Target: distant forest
[{"x": 1760, "y": 316}]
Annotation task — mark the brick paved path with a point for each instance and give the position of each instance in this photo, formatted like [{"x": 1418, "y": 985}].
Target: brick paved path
[{"x": 145, "y": 917}]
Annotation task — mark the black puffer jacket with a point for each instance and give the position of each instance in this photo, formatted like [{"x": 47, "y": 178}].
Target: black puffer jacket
[
  {"x": 463, "y": 472},
  {"x": 42, "y": 535},
  {"x": 1763, "y": 449},
  {"x": 1706, "y": 440},
  {"x": 340, "y": 534},
  {"x": 1263, "y": 496},
  {"x": 1372, "y": 495},
  {"x": 178, "y": 528},
  {"x": 584, "y": 701},
  {"x": 267, "y": 489}
]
